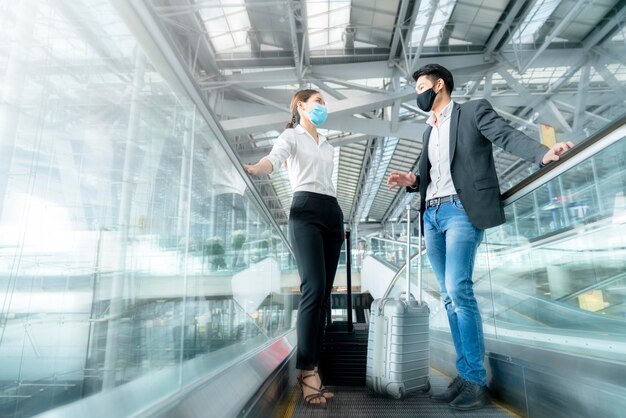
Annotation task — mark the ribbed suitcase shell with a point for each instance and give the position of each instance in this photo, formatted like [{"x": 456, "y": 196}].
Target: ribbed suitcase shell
[{"x": 398, "y": 347}]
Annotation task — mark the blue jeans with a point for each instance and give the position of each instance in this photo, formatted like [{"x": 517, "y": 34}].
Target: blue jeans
[{"x": 451, "y": 244}]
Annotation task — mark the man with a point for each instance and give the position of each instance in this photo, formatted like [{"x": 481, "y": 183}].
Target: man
[{"x": 460, "y": 198}]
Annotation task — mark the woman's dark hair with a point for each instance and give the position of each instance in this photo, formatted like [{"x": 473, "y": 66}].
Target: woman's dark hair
[
  {"x": 434, "y": 72},
  {"x": 300, "y": 96}
]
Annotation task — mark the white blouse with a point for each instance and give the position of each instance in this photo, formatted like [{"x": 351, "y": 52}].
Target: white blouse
[{"x": 310, "y": 165}]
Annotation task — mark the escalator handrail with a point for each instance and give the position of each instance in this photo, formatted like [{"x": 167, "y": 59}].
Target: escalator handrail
[
  {"x": 568, "y": 160},
  {"x": 600, "y": 284},
  {"x": 393, "y": 241}
]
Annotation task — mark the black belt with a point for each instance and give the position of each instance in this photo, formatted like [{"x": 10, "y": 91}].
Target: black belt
[
  {"x": 315, "y": 195},
  {"x": 439, "y": 200}
]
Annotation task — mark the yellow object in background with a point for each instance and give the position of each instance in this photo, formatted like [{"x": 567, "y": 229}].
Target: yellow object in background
[
  {"x": 548, "y": 135},
  {"x": 591, "y": 301}
]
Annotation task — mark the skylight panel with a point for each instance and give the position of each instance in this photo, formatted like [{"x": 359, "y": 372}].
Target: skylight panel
[
  {"x": 326, "y": 22},
  {"x": 620, "y": 35},
  {"x": 227, "y": 25},
  {"x": 375, "y": 177},
  {"x": 537, "y": 17},
  {"x": 441, "y": 17},
  {"x": 371, "y": 82}
]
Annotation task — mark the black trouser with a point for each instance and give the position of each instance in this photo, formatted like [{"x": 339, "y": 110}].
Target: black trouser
[{"x": 316, "y": 235}]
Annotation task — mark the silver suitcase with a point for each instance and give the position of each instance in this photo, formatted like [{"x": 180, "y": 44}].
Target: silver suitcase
[{"x": 398, "y": 343}]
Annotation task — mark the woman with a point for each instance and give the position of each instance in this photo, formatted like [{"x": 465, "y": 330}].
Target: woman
[{"x": 315, "y": 227}]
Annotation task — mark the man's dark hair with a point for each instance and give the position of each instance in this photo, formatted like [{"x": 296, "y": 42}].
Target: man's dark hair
[{"x": 434, "y": 72}]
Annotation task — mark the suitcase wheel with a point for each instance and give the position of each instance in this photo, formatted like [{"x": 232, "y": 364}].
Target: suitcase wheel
[
  {"x": 399, "y": 394},
  {"x": 426, "y": 387}
]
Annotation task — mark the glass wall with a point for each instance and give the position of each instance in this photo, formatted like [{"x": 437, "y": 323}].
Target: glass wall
[
  {"x": 556, "y": 269},
  {"x": 129, "y": 242},
  {"x": 389, "y": 251},
  {"x": 554, "y": 275}
]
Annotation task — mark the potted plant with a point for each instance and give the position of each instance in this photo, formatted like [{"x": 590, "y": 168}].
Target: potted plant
[
  {"x": 238, "y": 239},
  {"x": 214, "y": 249}
]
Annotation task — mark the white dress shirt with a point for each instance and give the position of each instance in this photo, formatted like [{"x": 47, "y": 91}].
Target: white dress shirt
[
  {"x": 310, "y": 164},
  {"x": 439, "y": 155}
]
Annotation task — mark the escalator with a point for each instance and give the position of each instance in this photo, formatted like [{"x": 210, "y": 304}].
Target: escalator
[{"x": 550, "y": 284}]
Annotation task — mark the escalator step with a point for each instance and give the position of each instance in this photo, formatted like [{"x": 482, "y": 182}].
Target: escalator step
[{"x": 360, "y": 402}]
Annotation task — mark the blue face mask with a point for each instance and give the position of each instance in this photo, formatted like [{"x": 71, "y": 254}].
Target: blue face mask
[{"x": 318, "y": 115}]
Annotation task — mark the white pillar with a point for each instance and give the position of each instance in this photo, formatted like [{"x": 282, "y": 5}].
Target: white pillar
[
  {"x": 12, "y": 89},
  {"x": 119, "y": 276},
  {"x": 560, "y": 281}
]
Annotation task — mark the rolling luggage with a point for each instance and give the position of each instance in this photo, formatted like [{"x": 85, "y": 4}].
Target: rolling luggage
[
  {"x": 398, "y": 341},
  {"x": 343, "y": 353}
]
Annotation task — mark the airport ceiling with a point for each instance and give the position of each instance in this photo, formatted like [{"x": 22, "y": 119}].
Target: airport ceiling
[{"x": 560, "y": 63}]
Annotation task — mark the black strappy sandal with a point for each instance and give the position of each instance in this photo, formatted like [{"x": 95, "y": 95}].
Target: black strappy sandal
[{"x": 317, "y": 395}]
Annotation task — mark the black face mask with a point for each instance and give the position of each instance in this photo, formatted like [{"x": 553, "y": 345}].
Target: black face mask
[{"x": 426, "y": 99}]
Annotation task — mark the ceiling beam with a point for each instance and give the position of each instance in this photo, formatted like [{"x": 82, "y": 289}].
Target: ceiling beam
[
  {"x": 416, "y": 57},
  {"x": 329, "y": 90},
  {"x": 563, "y": 23},
  {"x": 591, "y": 115},
  {"x": 397, "y": 33},
  {"x": 583, "y": 85},
  {"x": 554, "y": 87},
  {"x": 601, "y": 33},
  {"x": 528, "y": 98},
  {"x": 294, "y": 41},
  {"x": 513, "y": 118},
  {"x": 348, "y": 139},
  {"x": 236, "y": 108},
  {"x": 516, "y": 12},
  {"x": 255, "y": 154},
  {"x": 615, "y": 54},
  {"x": 559, "y": 116},
  {"x": 359, "y": 104},
  {"x": 252, "y": 80},
  {"x": 306, "y": 49},
  {"x": 614, "y": 101},
  {"x": 347, "y": 84},
  {"x": 466, "y": 65},
  {"x": 194, "y": 34},
  {"x": 610, "y": 79},
  {"x": 409, "y": 30},
  {"x": 176, "y": 9},
  {"x": 262, "y": 100},
  {"x": 394, "y": 115},
  {"x": 365, "y": 167},
  {"x": 377, "y": 127}
]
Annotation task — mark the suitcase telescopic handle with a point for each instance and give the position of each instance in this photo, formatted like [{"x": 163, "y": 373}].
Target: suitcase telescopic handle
[
  {"x": 407, "y": 265},
  {"x": 408, "y": 252},
  {"x": 349, "y": 279},
  {"x": 408, "y": 255},
  {"x": 419, "y": 257}
]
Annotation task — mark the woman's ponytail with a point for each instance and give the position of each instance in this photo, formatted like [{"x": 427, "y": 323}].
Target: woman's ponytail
[
  {"x": 300, "y": 96},
  {"x": 293, "y": 121}
]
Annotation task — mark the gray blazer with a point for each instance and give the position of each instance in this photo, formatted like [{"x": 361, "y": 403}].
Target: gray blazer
[{"x": 474, "y": 127}]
